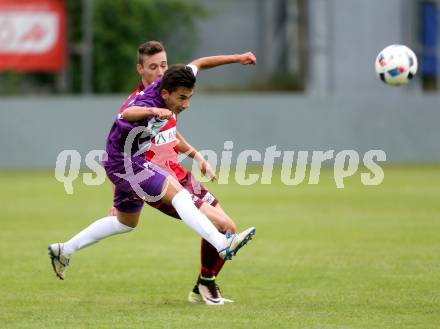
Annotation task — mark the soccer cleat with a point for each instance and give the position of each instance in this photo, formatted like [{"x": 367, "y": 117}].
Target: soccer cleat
[
  {"x": 59, "y": 261},
  {"x": 235, "y": 241},
  {"x": 208, "y": 291},
  {"x": 225, "y": 300},
  {"x": 195, "y": 297}
]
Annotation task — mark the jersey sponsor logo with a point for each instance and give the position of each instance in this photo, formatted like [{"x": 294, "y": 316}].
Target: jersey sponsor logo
[
  {"x": 155, "y": 125},
  {"x": 165, "y": 137}
]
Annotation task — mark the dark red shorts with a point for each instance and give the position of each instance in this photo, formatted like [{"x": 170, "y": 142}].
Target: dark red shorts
[{"x": 199, "y": 194}]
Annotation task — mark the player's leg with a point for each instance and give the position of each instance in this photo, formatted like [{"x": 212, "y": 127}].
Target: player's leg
[
  {"x": 217, "y": 216},
  {"x": 60, "y": 253},
  {"x": 206, "y": 202},
  {"x": 206, "y": 286},
  {"x": 128, "y": 208},
  {"x": 210, "y": 260},
  {"x": 182, "y": 202},
  {"x": 209, "y": 254},
  {"x": 226, "y": 246},
  {"x": 220, "y": 262},
  {"x": 211, "y": 263},
  {"x": 123, "y": 222}
]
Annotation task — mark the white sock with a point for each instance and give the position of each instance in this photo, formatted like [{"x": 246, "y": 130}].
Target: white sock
[
  {"x": 197, "y": 221},
  {"x": 99, "y": 230}
]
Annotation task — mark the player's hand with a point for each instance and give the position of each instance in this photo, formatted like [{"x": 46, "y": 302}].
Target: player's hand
[
  {"x": 248, "y": 59},
  {"x": 207, "y": 170},
  {"x": 163, "y": 114},
  {"x": 112, "y": 211}
]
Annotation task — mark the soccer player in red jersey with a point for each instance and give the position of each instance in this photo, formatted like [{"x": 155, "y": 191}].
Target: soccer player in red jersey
[
  {"x": 137, "y": 179},
  {"x": 164, "y": 150}
]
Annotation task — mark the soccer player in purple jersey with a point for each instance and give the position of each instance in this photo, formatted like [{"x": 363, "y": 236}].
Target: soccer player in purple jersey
[
  {"x": 138, "y": 180},
  {"x": 152, "y": 63}
]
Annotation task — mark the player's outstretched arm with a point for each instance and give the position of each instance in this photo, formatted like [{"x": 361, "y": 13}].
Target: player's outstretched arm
[
  {"x": 186, "y": 148},
  {"x": 135, "y": 113},
  {"x": 205, "y": 63}
]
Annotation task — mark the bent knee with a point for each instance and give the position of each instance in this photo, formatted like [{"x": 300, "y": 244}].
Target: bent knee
[
  {"x": 129, "y": 226},
  {"x": 129, "y": 221}
]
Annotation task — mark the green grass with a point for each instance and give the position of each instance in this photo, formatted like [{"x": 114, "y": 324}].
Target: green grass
[{"x": 360, "y": 257}]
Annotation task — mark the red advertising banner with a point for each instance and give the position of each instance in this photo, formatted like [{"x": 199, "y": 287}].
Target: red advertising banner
[{"x": 32, "y": 35}]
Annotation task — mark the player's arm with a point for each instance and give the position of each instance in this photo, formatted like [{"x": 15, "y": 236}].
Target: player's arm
[
  {"x": 186, "y": 148},
  {"x": 136, "y": 113},
  {"x": 205, "y": 63}
]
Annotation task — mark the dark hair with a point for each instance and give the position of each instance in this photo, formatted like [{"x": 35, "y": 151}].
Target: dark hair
[
  {"x": 149, "y": 48},
  {"x": 178, "y": 76}
]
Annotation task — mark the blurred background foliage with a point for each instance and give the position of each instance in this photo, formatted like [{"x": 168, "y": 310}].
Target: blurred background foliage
[{"x": 116, "y": 38}]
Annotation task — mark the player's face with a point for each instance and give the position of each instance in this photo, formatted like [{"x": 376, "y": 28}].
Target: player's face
[
  {"x": 153, "y": 67},
  {"x": 178, "y": 100}
]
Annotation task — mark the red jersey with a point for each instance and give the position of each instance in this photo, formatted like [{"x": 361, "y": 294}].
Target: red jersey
[{"x": 163, "y": 150}]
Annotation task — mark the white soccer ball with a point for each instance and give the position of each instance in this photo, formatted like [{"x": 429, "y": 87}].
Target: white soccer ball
[{"x": 396, "y": 65}]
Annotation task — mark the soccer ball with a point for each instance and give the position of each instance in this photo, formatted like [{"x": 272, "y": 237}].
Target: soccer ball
[{"x": 396, "y": 65}]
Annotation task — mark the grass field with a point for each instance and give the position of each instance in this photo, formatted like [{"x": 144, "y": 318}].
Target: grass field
[{"x": 361, "y": 257}]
